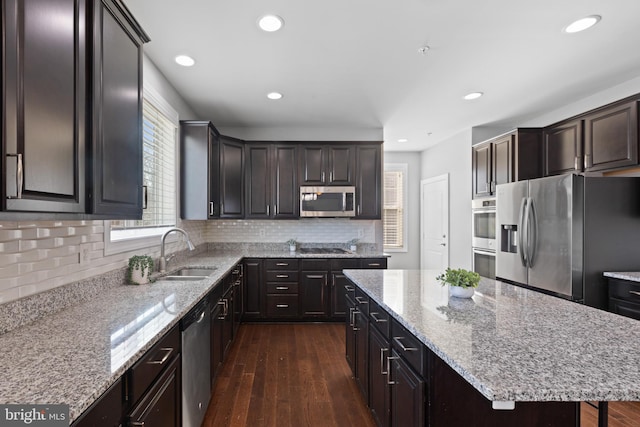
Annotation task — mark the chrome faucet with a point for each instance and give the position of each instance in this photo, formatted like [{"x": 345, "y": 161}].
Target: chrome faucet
[{"x": 163, "y": 259}]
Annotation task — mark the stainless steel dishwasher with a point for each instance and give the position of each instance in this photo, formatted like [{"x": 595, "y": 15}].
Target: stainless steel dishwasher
[{"x": 196, "y": 364}]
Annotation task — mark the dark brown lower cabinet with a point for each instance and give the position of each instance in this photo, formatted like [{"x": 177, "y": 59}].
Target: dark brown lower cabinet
[
  {"x": 408, "y": 394},
  {"x": 160, "y": 407},
  {"x": 379, "y": 399},
  {"x": 107, "y": 410},
  {"x": 338, "y": 294},
  {"x": 351, "y": 336},
  {"x": 314, "y": 292},
  {"x": 361, "y": 326}
]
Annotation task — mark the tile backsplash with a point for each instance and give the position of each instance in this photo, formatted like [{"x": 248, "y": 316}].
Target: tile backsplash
[{"x": 37, "y": 256}]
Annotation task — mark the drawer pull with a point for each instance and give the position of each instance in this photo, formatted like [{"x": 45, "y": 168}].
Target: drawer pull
[
  {"x": 373, "y": 316},
  {"x": 355, "y": 313},
  {"x": 315, "y": 276},
  {"x": 351, "y": 310},
  {"x": 382, "y": 371},
  {"x": 282, "y": 305},
  {"x": 282, "y": 264},
  {"x": 282, "y": 288},
  {"x": 402, "y": 346},
  {"x": 168, "y": 351},
  {"x": 349, "y": 288},
  {"x": 389, "y": 359},
  {"x": 282, "y": 276},
  {"x": 361, "y": 300},
  {"x": 634, "y": 293},
  {"x": 136, "y": 423},
  {"x": 374, "y": 264}
]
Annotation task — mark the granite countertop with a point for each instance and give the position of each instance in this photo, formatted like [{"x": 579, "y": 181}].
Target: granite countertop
[
  {"x": 633, "y": 276},
  {"x": 74, "y": 355},
  {"x": 513, "y": 344}
]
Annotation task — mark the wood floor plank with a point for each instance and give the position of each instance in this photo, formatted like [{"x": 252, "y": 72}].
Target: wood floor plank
[{"x": 287, "y": 375}]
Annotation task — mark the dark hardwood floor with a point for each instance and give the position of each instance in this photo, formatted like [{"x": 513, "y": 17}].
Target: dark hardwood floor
[
  {"x": 287, "y": 375},
  {"x": 621, "y": 414}
]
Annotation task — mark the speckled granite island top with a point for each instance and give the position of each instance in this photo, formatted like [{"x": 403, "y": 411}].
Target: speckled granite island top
[
  {"x": 513, "y": 344},
  {"x": 633, "y": 276},
  {"x": 74, "y": 355}
]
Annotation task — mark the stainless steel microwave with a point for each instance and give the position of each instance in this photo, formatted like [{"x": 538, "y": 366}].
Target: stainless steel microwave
[{"x": 327, "y": 201}]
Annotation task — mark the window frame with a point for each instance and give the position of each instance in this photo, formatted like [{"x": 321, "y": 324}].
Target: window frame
[
  {"x": 404, "y": 169},
  {"x": 149, "y": 237}
]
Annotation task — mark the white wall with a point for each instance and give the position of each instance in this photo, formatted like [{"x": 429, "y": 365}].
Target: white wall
[
  {"x": 453, "y": 156},
  {"x": 154, "y": 78},
  {"x": 411, "y": 258}
]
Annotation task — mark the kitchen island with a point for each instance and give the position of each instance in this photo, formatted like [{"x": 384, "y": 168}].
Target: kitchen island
[{"x": 513, "y": 346}]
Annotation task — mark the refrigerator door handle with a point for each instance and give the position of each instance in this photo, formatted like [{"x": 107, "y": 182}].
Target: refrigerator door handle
[
  {"x": 532, "y": 238},
  {"x": 522, "y": 231}
]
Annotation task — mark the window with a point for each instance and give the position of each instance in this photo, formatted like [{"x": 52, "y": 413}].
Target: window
[
  {"x": 159, "y": 135},
  {"x": 394, "y": 210}
]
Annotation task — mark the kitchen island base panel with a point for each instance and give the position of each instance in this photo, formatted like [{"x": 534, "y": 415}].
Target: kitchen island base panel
[{"x": 454, "y": 402}]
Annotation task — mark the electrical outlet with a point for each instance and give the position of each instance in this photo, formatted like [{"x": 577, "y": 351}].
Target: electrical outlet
[
  {"x": 360, "y": 233},
  {"x": 262, "y": 232},
  {"x": 85, "y": 253}
]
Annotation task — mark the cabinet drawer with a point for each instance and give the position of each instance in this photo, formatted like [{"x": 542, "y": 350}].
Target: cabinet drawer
[
  {"x": 282, "y": 305},
  {"x": 282, "y": 276},
  {"x": 362, "y": 301},
  {"x": 145, "y": 371},
  {"x": 344, "y": 264},
  {"x": 409, "y": 347},
  {"x": 315, "y": 264},
  {"x": 373, "y": 263},
  {"x": 624, "y": 308},
  {"x": 281, "y": 264},
  {"x": 379, "y": 318},
  {"x": 350, "y": 290},
  {"x": 624, "y": 290},
  {"x": 282, "y": 288}
]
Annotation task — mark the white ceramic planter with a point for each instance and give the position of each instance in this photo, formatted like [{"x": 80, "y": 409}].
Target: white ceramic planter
[
  {"x": 292, "y": 248},
  {"x": 353, "y": 248},
  {"x": 459, "y": 292},
  {"x": 138, "y": 278}
]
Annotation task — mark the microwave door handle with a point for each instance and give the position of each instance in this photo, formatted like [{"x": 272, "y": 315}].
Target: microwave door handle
[
  {"x": 522, "y": 231},
  {"x": 532, "y": 239}
]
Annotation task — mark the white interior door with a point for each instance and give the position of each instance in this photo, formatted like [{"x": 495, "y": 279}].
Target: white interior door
[{"x": 434, "y": 223}]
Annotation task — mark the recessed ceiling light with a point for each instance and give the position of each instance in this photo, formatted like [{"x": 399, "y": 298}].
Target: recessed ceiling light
[
  {"x": 270, "y": 23},
  {"x": 403, "y": 140},
  {"x": 423, "y": 50},
  {"x": 472, "y": 95},
  {"x": 582, "y": 24},
  {"x": 274, "y": 95},
  {"x": 185, "y": 61}
]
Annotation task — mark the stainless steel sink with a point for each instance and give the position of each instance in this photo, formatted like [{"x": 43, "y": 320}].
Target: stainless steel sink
[{"x": 189, "y": 274}]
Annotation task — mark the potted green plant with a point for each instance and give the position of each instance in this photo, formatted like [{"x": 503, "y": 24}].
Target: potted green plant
[
  {"x": 462, "y": 283},
  {"x": 139, "y": 269},
  {"x": 292, "y": 244},
  {"x": 353, "y": 245}
]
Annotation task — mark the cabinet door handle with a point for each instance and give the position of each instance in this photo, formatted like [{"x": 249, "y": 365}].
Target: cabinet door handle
[
  {"x": 576, "y": 163},
  {"x": 167, "y": 350},
  {"x": 382, "y": 371},
  {"x": 19, "y": 176},
  {"x": 351, "y": 310},
  {"x": 322, "y": 177},
  {"x": 373, "y": 316},
  {"x": 355, "y": 313},
  {"x": 587, "y": 161},
  {"x": 282, "y": 288},
  {"x": 282, "y": 264},
  {"x": 315, "y": 276},
  {"x": 634, "y": 293},
  {"x": 145, "y": 197},
  {"x": 389, "y": 359},
  {"x": 402, "y": 346},
  {"x": 282, "y": 305},
  {"x": 282, "y": 276},
  {"x": 210, "y": 208},
  {"x": 361, "y": 300},
  {"x": 268, "y": 210}
]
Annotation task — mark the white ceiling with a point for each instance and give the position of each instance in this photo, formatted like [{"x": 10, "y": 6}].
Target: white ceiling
[{"x": 345, "y": 64}]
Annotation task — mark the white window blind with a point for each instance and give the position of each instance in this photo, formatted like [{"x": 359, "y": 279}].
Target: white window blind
[
  {"x": 393, "y": 215},
  {"x": 159, "y": 136}
]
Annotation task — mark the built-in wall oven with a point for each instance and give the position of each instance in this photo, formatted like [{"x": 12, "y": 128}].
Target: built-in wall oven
[{"x": 484, "y": 237}]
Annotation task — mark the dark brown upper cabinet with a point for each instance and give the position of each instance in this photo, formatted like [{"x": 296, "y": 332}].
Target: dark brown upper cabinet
[
  {"x": 72, "y": 133},
  {"x": 199, "y": 170},
  {"x": 117, "y": 112},
  {"x": 563, "y": 148},
  {"x": 507, "y": 158},
  {"x": 369, "y": 181},
  {"x": 231, "y": 177},
  {"x": 611, "y": 137},
  {"x": 271, "y": 181},
  {"x": 327, "y": 164},
  {"x": 44, "y": 101}
]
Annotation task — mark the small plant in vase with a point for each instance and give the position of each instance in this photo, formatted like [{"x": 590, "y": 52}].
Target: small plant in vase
[
  {"x": 139, "y": 269},
  {"x": 462, "y": 283},
  {"x": 353, "y": 245},
  {"x": 292, "y": 244}
]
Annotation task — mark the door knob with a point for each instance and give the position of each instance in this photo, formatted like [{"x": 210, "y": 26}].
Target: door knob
[{"x": 443, "y": 244}]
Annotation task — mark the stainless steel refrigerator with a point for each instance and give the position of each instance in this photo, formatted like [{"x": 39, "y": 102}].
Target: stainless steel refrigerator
[{"x": 559, "y": 234}]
